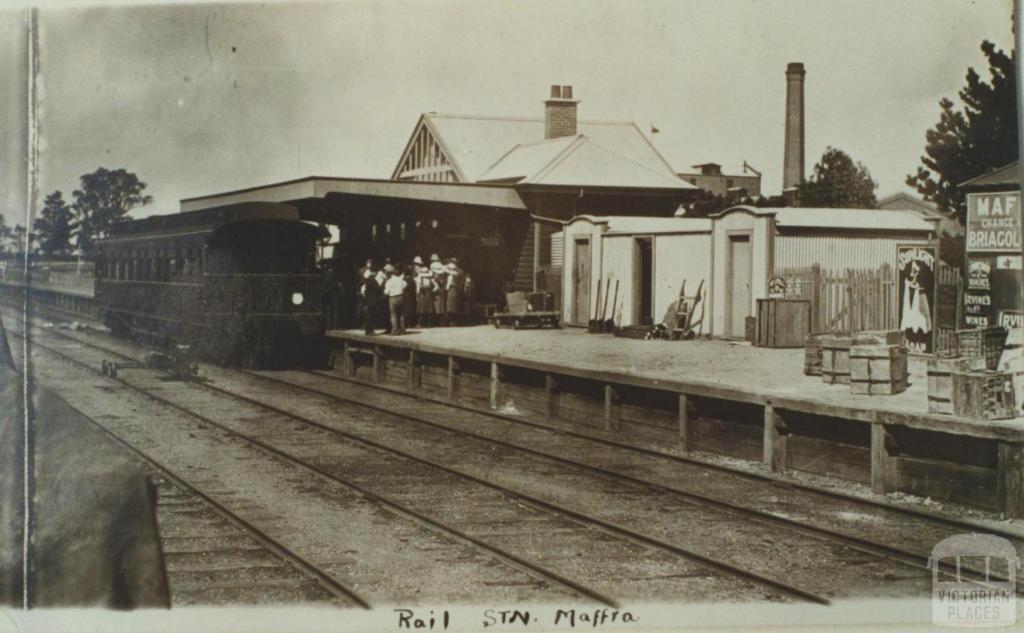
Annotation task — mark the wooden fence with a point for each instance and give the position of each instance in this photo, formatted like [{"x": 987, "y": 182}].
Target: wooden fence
[
  {"x": 845, "y": 302},
  {"x": 869, "y": 300}
]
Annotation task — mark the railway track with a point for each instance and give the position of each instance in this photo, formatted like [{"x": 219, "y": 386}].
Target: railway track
[
  {"x": 619, "y": 533},
  {"x": 895, "y": 554}
]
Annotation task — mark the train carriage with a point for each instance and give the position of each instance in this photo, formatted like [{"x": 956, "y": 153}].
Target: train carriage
[{"x": 238, "y": 284}]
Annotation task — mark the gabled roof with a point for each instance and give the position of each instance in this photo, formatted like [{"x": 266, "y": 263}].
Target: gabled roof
[
  {"x": 577, "y": 161},
  {"x": 845, "y": 219},
  {"x": 474, "y": 143},
  {"x": 1004, "y": 177}
]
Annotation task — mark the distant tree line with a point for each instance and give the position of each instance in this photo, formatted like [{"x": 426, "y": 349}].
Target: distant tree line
[{"x": 63, "y": 229}]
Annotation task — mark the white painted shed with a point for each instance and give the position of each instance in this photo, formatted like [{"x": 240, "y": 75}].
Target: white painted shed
[{"x": 735, "y": 252}]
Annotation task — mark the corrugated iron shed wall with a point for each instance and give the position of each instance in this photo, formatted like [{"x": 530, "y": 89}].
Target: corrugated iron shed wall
[{"x": 838, "y": 252}]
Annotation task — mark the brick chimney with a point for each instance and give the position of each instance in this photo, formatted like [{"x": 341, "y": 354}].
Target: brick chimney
[
  {"x": 560, "y": 113},
  {"x": 793, "y": 159}
]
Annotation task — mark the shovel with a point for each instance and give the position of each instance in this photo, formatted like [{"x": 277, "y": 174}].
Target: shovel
[
  {"x": 592, "y": 325},
  {"x": 609, "y": 325}
]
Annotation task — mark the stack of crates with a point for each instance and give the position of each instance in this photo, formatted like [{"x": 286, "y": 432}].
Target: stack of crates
[
  {"x": 971, "y": 384},
  {"x": 872, "y": 362}
]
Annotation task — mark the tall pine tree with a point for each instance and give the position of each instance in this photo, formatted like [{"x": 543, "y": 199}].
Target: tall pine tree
[
  {"x": 838, "y": 182},
  {"x": 972, "y": 141},
  {"x": 53, "y": 226}
]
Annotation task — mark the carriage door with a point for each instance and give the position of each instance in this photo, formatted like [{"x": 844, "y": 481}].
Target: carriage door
[
  {"x": 581, "y": 282},
  {"x": 740, "y": 274}
]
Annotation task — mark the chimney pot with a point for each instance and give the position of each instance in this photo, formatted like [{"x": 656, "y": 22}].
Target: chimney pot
[
  {"x": 567, "y": 92},
  {"x": 556, "y": 92}
]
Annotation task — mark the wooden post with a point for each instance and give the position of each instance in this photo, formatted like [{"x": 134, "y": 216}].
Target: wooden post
[
  {"x": 379, "y": 367},
  {"x": 413, "y": 371},
  {"x": 497, "y": 388},
  {"x": 884, "y": 474},
  {"x": 453, "y": 378},
  {"x": 611, "y": 410},
  {"x": 551, "y": 387},
  {"x": 816, "y": 319},
  {"x": 1010, "y": 473},
  {"x": 684, "y": 422},
  {"x": 775, "y": 439}
]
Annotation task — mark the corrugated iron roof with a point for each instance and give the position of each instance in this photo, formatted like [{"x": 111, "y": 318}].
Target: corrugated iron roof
[
  {"x": 843, "y": 219},
  {"x": 640, "y": 225},
  {"x": 577, "y": 161},
  {"x": 475, "y": 143},
  {"x": 1001, "y": 177}
]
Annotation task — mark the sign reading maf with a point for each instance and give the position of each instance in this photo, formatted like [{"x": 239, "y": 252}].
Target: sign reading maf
[
  {"x": 993, "y": 222},
  {"x": 974, "y": 579}
]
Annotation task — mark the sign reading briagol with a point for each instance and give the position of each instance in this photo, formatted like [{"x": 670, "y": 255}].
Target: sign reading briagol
[{"x": 994, "y": 222}]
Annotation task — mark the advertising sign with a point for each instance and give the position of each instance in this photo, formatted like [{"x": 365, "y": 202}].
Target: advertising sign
[
  {"x": 915, "y": 279},
  {"x": 978, "y": 295},
  {"x": 993, "y": 222}
]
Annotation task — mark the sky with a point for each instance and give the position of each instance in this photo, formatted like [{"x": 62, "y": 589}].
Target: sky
[{"x": 204, "y": 98}]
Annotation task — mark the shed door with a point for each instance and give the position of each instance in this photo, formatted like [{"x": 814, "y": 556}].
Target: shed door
[
  {"x": 581, "y": 283},
  {"x": 644, "y": 281},
  {"x": 740, "y": 262}
]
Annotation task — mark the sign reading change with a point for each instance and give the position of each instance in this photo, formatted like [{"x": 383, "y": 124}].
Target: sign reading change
[{"x": 993, "y": 222}]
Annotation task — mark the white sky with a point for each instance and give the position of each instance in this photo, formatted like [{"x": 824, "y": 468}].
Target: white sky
[{"x": 201, "y": 99}]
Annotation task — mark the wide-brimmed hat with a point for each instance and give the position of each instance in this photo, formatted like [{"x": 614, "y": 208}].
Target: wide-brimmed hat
[
  {"x": 388, "y": 268},
  {"x": 435, "y": 258},
  {"x": 417, "y": 260},
  {"x": 452, "y": 266}
]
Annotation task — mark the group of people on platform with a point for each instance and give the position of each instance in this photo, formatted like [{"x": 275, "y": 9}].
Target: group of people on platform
[{"x": 395, "y": 296}]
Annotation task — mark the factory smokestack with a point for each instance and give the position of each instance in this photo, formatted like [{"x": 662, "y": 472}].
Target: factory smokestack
[{"x": 793, "y": 161}]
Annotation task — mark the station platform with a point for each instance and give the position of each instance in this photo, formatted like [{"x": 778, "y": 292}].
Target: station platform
[{"x": 749, "y": 402}]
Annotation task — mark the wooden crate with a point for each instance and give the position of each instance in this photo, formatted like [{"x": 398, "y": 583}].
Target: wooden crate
[
  {"x": 835, "y": 358},
  {"x": 782, "y": 322},
  {"x": 940, "y": 380},
  {"x": 984, "y": 395},
  {"x": 750, "y": 329},
  {"x": 879, "y": 337},
  {"x": 812, "y": 355},
  {"x": 985, "y": 342},
  {"x": 878, "y": 369}
]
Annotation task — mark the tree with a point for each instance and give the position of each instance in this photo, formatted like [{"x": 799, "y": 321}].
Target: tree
[
  {"x": 54, "y": 225},
  {"x": 971, "y": 142},
  {"x": 105, "y": 198},
  {"x": 5, "y": 235},
  {"x": 838, "y": 182}
]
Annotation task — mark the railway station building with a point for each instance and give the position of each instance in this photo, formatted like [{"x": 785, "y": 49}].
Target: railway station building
[{"x": 489, "y": 191}]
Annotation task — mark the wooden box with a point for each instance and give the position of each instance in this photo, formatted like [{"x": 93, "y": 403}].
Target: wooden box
[
  {"x": 940, "y": 380},
  {"x": 879, "y": 337},
  {"x": 835, "y": 358},
  {"x": 812, "y": 355},
  {"x": 878, "y": 369},
  {"x": 750, "y": 329},
  {"x": 782, "y": 322},
  {"x": 987, "y": 343},
  {"x": 984, "y": 395}
]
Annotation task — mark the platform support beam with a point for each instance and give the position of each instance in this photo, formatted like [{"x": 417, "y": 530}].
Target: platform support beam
[
  {"x": 884, "y": 467},
  {"x": 551, "y": 388},
  {"x": 453, "y": 378},
  {"x": 684, "y": 422},
  {"x": 380, "y": 371},
  {"x": 497, "y": 386},
  {"x": 611, "y": 408},
  {"x": 413, "y": 371},
  {"x": 776, "y": 439},
  {"x": 1010, "y": 475}
]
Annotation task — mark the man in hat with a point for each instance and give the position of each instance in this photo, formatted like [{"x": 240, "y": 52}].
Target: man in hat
[
  {"x": 394, "y": 289},
  {"x": 371, "y": 293},
  {"x": 440, "y": 272},
  {"x": 453, "y": 294},
  {"x": 425, "y": 289}
]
